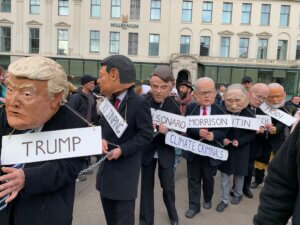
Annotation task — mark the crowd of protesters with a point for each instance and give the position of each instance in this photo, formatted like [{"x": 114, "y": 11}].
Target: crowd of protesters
[{"x": 142, "y": 147}]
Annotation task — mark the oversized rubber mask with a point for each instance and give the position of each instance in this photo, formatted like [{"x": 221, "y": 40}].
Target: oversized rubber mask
[
  {"x": 116, "y": 75},
  {"x": 276, "y": 96},
  {"x": 236, "y": 99}
]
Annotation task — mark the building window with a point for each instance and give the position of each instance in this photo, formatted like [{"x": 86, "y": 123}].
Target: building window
[
  {"x": 204, "y": 45},
  {"x": 227, "y": 13},
  {"x": 298, "y": 50},
  {"x": 5, "y": 36},
  {"x": 63, "y": 7},
  {"x": 282, "y": 49},
  {"x": 155, "y": 10},
  {"x": 187, "y": 7},
  {"x": 153, "y": 44},
  {"x": 115, "y": 11},
  {"x": 246, "y": 13},
  {"x": 284, "y": 15},
  {"x": 207, "y": 12},
  {"x": 62, "y": 42},
  {"x": 34, "y": 7},
  {"x": 95, "y": 8},
  {"x": 244, "y": 46},
  {"x": 34, "y": 40},
  {"x": 5, "y": 5},
  {"x": 262, "y": 48},
  {"x": 185, "y": 41},
  {"x": 265, "y": 14},
  {"x": 225, "y": 46},
  {"x": 135, "y": 6},
  {"x": 133, "y": 42},
  {"x": 114, "y": 42},
  {"x": 94, "y": 41}
]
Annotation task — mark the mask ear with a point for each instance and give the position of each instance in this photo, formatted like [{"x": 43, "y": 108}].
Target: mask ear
[{"x": 55, "y": 101}]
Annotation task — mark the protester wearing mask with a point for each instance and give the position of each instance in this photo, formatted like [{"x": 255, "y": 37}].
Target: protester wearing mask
[
  {"x": 117, "y": 178},
  {"x": 201, "y": 169},
  {"x": 275, "y": 132},
  {"x": 237, "y": 142},
  {"x": 158, "y": 152}
]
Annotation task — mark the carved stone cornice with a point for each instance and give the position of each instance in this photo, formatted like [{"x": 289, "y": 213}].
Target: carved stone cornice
[
  {"x": 34, "y": 23},
  {"x": 245, "y": 33},
  {"x": 5, "y": 21},
  {"x": 77, "y": 2},
  {"x": 226, "y": 32},
  {"x": 264, "y": 34},
  {"x": 62, "y": 24}
]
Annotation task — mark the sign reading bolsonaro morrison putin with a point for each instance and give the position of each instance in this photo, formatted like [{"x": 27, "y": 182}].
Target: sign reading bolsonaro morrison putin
[
  {"x": 196, "y": 147},
  {"x": 51, "y": 145}
]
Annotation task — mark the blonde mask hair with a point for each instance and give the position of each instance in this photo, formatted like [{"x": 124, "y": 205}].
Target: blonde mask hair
[{"x": 42, "y": 68}]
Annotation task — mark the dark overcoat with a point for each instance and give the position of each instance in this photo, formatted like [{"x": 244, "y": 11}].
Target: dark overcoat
[
  {"x": 238, "y": 157},
  {"x": 166, "y": 153},
  {"x": 118, "y": 179},
  {"x": 219, "y": 133},
  {"x": 48, "y": 195}
]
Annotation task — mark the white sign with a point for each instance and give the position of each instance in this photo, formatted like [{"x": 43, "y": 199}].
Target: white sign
[
  {"x": 245, "y": 122},
  {"x": 170, "y": 120},
  {"x": 114, "y": 119},
  {"x": 264, "y": 119},
  {"x": 278, "y": 114},
  {"x": 196, "y": 147},
  {"x": 51, "y": 145},
  {"x": 212, "y": 121}
]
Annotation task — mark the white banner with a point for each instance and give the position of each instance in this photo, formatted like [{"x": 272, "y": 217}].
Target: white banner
[
  {"x": 51, "y": 145},
  {"x": 170, "y": 120},
  {"x": 278, "y": 114},
  {"x": 264, "y": 119},
  {"x": 114, "y": 119},
  {"x": 245, "y": 122},
  {"x": 196, "y": 147},
  {"x": 212, "y": 121}
]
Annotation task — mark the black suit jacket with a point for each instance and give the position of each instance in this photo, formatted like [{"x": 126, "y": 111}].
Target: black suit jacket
[
  {"x": 238, "y": 157},
  {"x": 219, "y": 133},
  {"x": 166, "y": 153},
  {"x": 48, "y": 195},
  {"x": 118, "y": 179},
  {"x": 277, "y": 139}
]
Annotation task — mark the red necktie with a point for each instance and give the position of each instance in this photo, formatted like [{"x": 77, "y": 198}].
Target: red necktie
[
  {"x": 204, "y": 113},
  {"x": 116, "y": 104}
]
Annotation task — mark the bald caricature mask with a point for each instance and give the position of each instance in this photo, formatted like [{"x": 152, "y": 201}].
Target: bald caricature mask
[
  {"x": 276, "y": 96},
  {"x": 236, "y": 98},
  {"x": 117, "y": 73},
  {"x": 36, "y": 86}
]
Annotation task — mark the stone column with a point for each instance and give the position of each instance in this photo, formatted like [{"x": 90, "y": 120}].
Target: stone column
[
  {"x": 48, "y": 29},
  {"x": 19, "y": 29},
  {"x": 76, "y": 32}
]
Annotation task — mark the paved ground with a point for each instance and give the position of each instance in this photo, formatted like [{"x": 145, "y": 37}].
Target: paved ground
[{"x": 88, "y": 209}]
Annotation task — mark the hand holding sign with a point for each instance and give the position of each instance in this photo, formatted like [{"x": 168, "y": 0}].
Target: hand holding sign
[
  {"x": 272, "y": 130},
  {"x": 114, "y": 154},
  {"x": 226, "y": 142},
  {"x": 204, "y": 133},
  {"x": 235, "y": 143},
  {"x": 163, "y": 129},
  {"x": 13, "y": 183}
]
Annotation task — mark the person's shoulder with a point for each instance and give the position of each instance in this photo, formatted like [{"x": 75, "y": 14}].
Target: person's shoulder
[{"x": 69, "y": 118}]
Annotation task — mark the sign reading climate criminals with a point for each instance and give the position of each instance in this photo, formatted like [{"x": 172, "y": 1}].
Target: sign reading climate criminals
[
  {"x": 196, "y": 147},
  {"x": 51, "y": 145},
  {"x": 278, "y": 114},
  {"x": 113, "y": 118}
]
